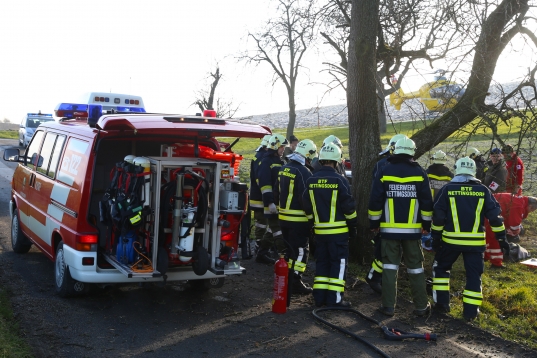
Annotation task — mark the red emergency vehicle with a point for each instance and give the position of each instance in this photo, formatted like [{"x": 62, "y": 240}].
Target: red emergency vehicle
[{"x": 130, "y": 197}]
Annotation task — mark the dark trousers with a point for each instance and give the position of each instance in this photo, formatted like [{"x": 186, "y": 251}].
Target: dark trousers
[
  {"x": 472, "y": 296},
  {"x": 296, "y": 236},
  {"x": 331, "y": 255}
]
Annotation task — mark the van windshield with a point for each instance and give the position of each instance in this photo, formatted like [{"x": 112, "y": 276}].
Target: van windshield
[{"x": 35, "y": 122}]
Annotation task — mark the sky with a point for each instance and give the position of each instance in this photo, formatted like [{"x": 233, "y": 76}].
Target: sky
[{"x": 54, "y": 51}]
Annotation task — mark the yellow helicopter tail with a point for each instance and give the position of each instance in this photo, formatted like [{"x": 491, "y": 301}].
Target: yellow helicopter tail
[{"x": 397, "y": 98}]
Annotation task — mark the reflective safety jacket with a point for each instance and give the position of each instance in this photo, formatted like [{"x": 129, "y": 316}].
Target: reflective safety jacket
[
  {"x": 439, "y": 175},
  {"x": 329, "y": 203},
  {"x": 459, "y": 213},
  {"x": 401, "y": 202},
  {"x": 267, "y": 178},
  {"x": 292, "y": 184},
  {"x": 256, "y": 198}
]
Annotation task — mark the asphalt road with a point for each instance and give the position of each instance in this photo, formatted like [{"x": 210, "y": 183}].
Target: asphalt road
[{"x": 233, "y": 321}]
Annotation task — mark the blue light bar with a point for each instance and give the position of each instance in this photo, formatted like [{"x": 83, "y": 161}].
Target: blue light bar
[
  {"x": 39, "y": 115},
  {"x": 130, "y": 109}
]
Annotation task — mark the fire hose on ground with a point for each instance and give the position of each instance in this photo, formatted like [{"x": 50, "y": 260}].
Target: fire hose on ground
[{"x": 391, "y": 334}]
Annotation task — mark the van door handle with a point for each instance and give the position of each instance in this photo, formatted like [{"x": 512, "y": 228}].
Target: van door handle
[{"x": 32, "y": 180}]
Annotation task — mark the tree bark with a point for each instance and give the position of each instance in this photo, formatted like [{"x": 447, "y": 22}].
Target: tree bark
[
  {"x": 364, "y": 135},
  {"x": 488, "y": 49}
]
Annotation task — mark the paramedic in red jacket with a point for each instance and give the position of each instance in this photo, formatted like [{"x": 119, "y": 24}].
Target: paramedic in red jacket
[
  {"x": 515, "y": 170},
  {"x": 514, "y": 209}
]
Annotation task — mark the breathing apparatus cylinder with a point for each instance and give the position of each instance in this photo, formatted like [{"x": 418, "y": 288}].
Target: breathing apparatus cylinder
[
  {"x": 177, "y": 210},
  {"x": 279, "y": 292},
  {"x": 146, "y": 164},
  {"x": 187, "y": 242}
]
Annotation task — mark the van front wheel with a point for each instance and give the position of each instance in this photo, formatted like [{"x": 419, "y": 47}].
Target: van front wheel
[
  {"x": 65, "y": 285},
  {"x": 19, "y": 242}
]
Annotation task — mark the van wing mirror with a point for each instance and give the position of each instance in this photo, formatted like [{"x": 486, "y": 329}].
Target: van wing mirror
[{"x": 12, "y": 155}]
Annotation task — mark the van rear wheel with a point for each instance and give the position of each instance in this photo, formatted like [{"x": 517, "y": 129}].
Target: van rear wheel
[
  {"x": 19, "y": 242},
  {"x": 66, "y": 286}
]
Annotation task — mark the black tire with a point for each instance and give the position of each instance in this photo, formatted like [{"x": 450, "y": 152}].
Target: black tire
[
  {"x": 19, "y": 242},
  {"x": 201, "y": 264},
  {"x": 207, "y": 284},
  {"x": 66, "y": 286}
]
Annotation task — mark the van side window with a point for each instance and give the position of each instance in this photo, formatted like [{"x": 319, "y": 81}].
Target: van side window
[
  {"x": 74, "y": 163},
  {"x": 32, "y": 152},
  {"x": 51, "y": 152}
]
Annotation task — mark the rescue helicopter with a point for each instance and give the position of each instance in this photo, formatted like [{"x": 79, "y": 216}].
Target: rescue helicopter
[{"x": 437, "y": 96}]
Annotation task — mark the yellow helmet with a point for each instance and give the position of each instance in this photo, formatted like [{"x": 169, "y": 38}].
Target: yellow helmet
[
  {"x": 264, "y": 141},
  {"x": 405, "y": 146},
  {"x": 439, "y": 157},
  {"x": 332, "y": 139},
  {"x": 306, "y": 148},
  {"x": 276, "y": 141},
  {"x": 465, "y": 165},
  {"x": 330, "y": 151}
]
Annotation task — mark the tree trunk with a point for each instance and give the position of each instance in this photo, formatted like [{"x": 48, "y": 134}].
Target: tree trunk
[
  {"x": 364, "y": 135},
  {"x": 292, "y": 115},
  {"x": 488, "y": 49}
]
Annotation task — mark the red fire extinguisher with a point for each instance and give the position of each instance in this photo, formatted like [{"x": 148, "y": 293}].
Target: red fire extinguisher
[{"x": 279, "y": 299}]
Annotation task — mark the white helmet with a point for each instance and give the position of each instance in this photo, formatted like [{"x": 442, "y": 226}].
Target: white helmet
[
  {"x": 405, "y": 146},
  {"x": 332, "y": 139},
  {"x": 330, "y": 152},
  {"x": 276, "y": 141},
  {"x": 465, "y": 165},
  {"x": 439, "y": 157},
  {"x": 391, "y": 144},
  {"x": 472, "y": 152},
  {"x": 307, "y": 149}
]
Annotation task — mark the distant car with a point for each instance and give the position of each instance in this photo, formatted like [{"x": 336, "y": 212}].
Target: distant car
[{"x": 29, "y": 124}]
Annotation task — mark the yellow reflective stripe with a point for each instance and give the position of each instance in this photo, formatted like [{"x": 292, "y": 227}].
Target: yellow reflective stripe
[
  {"x": 401, "y": 225},
  {"x": 274, "y": 165},
  {"x": 390, "y": 210},
  {"x": 290, "y": 196},
  {"x": 292, "y": 212},
  {"x": 440, "y": 284},
  {"x": 336, "y": 285},
  {"x": 320, "y": 283},
  {"x": 401, "y": 180},
  {"x": 478, "y": 214},
  {"x": 266, "y": 189},
  {"x": 437, "y": 228},
  {"x": 499, "y": 228},
  {"x": 464, "y": 242},
  {"x": 256, "y": 202},
  {"x": 437, "y": 177},
  {"x": 351, "y": 216},
  {"x": 312, "y": 198},
  {"x": 377, "y": 265},
  {"x": 331, "y": 224},
  {"x": 337, "y": 281},
  {"x": 473, "y": 298},
  {"x": 310, "y": 217},
  {"x": 331, "y": 231},
  {"x": 470, "y": 235},
  {"x": 454, "y": 214},
  {"x": 293, "y": 218},
  {"x": 320, "y": 286},
  {"x": 333, "y": 205},
  {"x": 411, "y": 211},
  {"x": 299, "y": 266}
]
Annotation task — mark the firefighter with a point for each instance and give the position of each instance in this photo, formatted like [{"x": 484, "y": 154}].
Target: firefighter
[
  {"x": 515, "y": 170},
  {"x": 293, "y": 142},
  {"x": 458, "y": 228},
  {"x": 267, "y": 178},
  {"x": 256, "y": 199},
  {"x": 374, "y": 276},
  {"x": 295, "y": 225},
  {"x": 329, "y": 204},
  {"x": 438, "y": 173},
  {"x": 514, "y": 209},
  {"x": 400, "y": 207},
  {"x": 480, "y": 162},
  {"x": 340, "y": 166}
]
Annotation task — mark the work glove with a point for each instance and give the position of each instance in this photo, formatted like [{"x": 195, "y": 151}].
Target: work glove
[
  {"x": 437, "y": 241},
  {"x": 272, "y": 208}
]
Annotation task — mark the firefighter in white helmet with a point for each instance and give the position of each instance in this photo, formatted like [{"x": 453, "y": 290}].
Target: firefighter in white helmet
[
  {"x": 374, "y": 276},
  {"x": 256, "y": 198},
  {"x": 400, "y": 208},
  {"x": 480, "y": 162},
  {"x": 267, "y": 178},
  {"x": 459, "y": 215},
  {"x": 329, "y": 204},
  {"x": 294, "y": 223},
  {"x": 340, "y": 167},
  {"x": 439, "y": 174}
]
